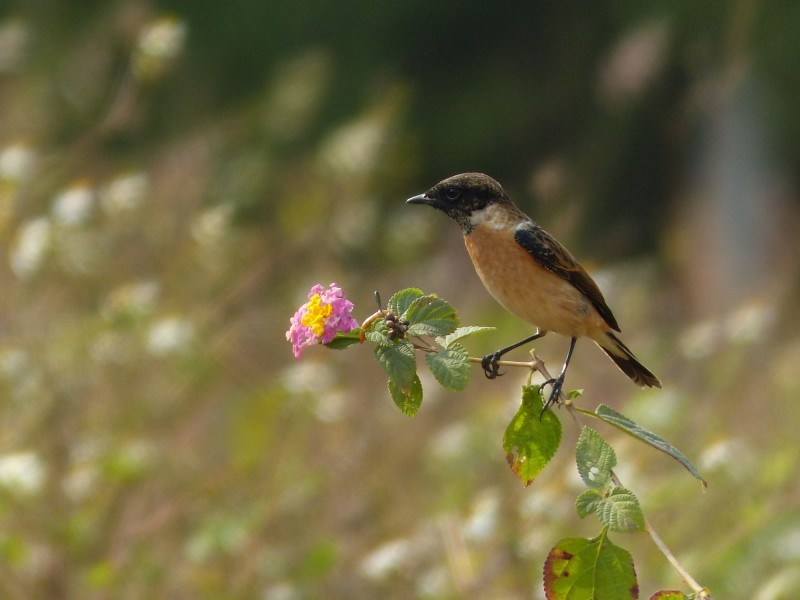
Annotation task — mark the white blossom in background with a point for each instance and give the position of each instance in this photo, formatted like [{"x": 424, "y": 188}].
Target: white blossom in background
[
  {"x": 16, "y": 162},
  {"x": 386, "y": 559},
  {"x": 171, "y": 335},
  {"x": 124, "y": 193},
  {"x": 355, "y": 147},
  {"x": 74, "y": 206},
  {"x": 634, "y": 62},
  {"x": 281, "y": 591},
  {"x": 164, "y": 38},
  {"x": 450, "y": 442},
  {"x": 212, "y": 225},
  {"x": 308, "y": 377},
  {"x": 298, "y": 87},
  {"x": 484, "y": 516},
  {"x": 21, "y": 472},
  {"x": 138, "y": 298},
  {"x": 34, "y": 241},
  {"x": 13, "y": 362},
  {"x": 159, "y": 45}
]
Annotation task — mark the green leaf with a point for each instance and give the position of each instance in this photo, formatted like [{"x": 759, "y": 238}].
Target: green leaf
[
  {"x": 459, "y": 333},
  {"x": 345, "y": 340},
  {"x": 582, "y": 569},
  {"x": 400, "y": 302},
  {"x": 409, "y": 399},
  {"x": 620, "y": 511},
  {"x": 398, "y": 360},
  {"x": 378, "y": 332},
  {"x": 531, "y": 438},
  {"x": 377, "y": 337},
  {"x": 609, "y": 415},
  {"x": 450, "y": 366},
  {"x": 586, "y": 503},
  {"x": 430, "y": 315},
  {"x": 595, "y": 459}
]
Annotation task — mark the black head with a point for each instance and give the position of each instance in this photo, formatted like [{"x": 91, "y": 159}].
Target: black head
[{"x": 461, "y": 195}]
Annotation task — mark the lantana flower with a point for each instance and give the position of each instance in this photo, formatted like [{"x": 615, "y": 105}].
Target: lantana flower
[{"x": 326, "y": 313}]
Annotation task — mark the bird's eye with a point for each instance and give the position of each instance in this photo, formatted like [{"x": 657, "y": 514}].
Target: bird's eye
[{"x": 452, "y": 193}]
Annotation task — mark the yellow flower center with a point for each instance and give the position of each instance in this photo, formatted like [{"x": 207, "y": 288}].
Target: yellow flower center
[{"x": 315, "y": 316}]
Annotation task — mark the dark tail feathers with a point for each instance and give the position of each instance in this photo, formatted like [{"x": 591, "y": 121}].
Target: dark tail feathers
[{"x": 627, "y": 362}]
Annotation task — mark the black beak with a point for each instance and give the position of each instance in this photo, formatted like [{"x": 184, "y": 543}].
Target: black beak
[{"x": 420, "y": 199}]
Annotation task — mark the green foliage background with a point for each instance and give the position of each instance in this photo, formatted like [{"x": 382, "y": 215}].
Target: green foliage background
[{"x": 174, "y": 176}]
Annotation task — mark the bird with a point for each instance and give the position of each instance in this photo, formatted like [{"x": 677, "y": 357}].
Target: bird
[{"x": 530, "y": 274}]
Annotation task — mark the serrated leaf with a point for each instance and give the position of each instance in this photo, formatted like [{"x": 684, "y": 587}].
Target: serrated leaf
[
  {"x": 345, "y": 340},
  {"x": 399, "y": 362},
  {"x": 400, "y": 301},
  {"x": 460, "y": 333},
  {"x": 450, "y": 366},
  {"x": 532, "y": 437},
  {"x": 609, "y": 415},
  {"x": 430, "y": 315},
  {"x": 408, "y": 400},
  {"x": 669, "y": 595},
  {"x": 378, "y": 332},
  {"x": 620, "y": 511},
  {"x": 595, "y": 458},
  {"x": 377, "y": 337},
  {"x": 587, "y": 569},
  {"x": 586, "y": 503}
]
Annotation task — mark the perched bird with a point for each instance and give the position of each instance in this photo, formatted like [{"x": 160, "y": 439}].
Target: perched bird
[{"x": 530, "y": 274}]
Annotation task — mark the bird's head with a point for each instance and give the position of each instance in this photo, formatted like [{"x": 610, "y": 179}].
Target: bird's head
[{"x": 464, "y": 197}]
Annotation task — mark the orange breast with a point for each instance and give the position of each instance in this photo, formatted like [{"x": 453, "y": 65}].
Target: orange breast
[{"x": 526, "y": 289}]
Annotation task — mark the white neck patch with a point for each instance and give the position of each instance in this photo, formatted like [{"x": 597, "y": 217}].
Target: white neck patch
[{"x": 495, "y": 216}]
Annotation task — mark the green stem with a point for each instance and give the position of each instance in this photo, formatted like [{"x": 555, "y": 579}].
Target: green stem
[{"x": 701, "y": 592}]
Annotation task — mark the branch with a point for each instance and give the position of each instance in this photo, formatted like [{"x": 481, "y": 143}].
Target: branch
[
  {"x": 701, "y": 592},
  {"x": 536, "y": 364}
]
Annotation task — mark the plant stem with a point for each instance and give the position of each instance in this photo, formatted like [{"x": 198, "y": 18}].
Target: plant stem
[{"x": 537, "y": 364}]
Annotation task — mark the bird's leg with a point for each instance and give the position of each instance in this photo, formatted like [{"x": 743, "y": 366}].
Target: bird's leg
[
  {"x": 558, "y": 382},
  {"x": 489, "y": 362}
]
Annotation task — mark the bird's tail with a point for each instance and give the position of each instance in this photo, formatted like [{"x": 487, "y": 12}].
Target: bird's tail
[{"x": 627, "y": 362}]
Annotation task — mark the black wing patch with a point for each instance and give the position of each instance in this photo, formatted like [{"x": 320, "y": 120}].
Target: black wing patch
[{"x": 551, "y": 255}]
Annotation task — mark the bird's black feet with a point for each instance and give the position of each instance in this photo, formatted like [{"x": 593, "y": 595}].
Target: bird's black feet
[
  {"x": 555, "y": 393},
  {"x": 489, "y": 365}
]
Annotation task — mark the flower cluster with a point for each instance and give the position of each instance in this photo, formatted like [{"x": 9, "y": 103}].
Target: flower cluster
[{"x": 326, "y": 313}]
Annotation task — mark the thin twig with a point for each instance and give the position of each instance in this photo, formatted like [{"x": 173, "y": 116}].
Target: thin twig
[
  {"x": 372, "y": 318},
  {"x": 701, "y": 592},
  {"x": 536, "y": 364}
]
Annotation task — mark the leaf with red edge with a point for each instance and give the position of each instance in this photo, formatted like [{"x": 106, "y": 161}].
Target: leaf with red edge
[{"x": 587, "y": 569}]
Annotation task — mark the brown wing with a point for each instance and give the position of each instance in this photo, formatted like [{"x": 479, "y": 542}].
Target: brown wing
[{"x": 551, "y": 255}]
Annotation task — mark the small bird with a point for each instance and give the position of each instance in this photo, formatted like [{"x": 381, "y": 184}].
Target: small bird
[{"x": 530, "y": 274}]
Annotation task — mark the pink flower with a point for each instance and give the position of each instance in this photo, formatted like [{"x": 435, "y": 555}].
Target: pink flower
[{"x": 326, "y": 313}]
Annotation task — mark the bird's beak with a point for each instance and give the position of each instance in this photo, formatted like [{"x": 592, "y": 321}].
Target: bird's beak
[{"x": 421, "y": 199}]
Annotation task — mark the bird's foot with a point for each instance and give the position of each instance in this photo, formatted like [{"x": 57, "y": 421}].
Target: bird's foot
[
  {"x": 489, "y": 365},
  {"x": 555, "y": 393}
]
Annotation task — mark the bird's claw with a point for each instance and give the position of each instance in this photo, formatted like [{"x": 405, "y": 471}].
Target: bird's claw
[
  {"x": 555, "y": 393},
  {"x": 490, "y": 367}
]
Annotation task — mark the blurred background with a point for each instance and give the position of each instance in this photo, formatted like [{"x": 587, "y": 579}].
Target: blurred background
[{"x": 175, "y": 176}]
